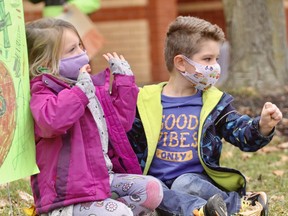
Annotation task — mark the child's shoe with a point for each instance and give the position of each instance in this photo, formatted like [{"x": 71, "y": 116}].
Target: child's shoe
[
  {"x": 215, "y": 206},
  {"x": 254, "y": 204}
]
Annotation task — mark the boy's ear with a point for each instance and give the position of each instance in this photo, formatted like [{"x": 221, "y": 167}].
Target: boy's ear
[{"x": 179, "y": 63}]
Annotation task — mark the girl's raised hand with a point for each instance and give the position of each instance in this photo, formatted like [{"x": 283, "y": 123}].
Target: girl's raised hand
[
  {"x": 109, "y": 56},
  {"x": 118, "y": 64}
]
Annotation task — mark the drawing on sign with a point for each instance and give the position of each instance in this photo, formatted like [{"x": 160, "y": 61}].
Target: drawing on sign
[
  {"x": 7, "y": 91},
  {"x": 7, "y": 111},
  {"x": 5, "y": 21}
]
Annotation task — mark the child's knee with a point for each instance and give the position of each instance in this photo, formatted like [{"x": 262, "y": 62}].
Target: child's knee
[{"x": 154, "y": 192}]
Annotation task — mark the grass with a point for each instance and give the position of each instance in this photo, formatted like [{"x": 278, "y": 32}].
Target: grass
[
  {"x": 15, "y": 196},
  {"x": 266, "y": 170}
]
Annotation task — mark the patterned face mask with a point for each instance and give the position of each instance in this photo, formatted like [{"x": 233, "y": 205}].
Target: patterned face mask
[
  {"x": 69, "y": 67},
  {"x": 204, "y": 76}
]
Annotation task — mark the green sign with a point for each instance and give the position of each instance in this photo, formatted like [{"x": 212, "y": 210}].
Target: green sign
[{"x": 17, "y": 145}]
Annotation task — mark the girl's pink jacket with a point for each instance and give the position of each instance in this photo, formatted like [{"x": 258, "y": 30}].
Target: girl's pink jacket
[{"x": 68, "y": 149}]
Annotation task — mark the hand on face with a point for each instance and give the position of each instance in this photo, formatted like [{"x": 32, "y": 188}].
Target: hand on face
[
  {"x": 85, "y": 68},
  {"x": 270, "y": 117}
]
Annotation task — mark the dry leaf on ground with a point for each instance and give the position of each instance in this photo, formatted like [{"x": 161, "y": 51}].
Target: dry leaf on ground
[
  {"x": 3, "y": 203},
  {"x": 278, "y": 172},
  {"x": 25, "y": 196},
  {"x": 283, "y": 145}
]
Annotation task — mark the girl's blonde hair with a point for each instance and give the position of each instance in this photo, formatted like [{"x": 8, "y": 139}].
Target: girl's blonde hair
[
  {"x": 44, "y": 38},
  {"x": 185, "y": 34}
]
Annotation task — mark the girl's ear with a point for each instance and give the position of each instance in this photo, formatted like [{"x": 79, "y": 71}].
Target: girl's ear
[{"x": 179, "y": 63}]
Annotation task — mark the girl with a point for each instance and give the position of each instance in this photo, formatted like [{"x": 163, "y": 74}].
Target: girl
[{"x": 80, "y": 129}]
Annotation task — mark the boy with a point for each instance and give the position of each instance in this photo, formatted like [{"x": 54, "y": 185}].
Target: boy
[{"x": 180, "y": 124}]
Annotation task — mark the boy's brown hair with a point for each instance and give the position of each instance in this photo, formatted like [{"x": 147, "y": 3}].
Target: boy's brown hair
[{"x": 185, "y": 33}]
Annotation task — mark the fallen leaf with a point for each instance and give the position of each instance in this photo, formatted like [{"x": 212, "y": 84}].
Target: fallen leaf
[
  {"x": 277, "y": 198},
  {"x": 3, "y": 186},
  {"x": 277, "y": 164},
  {"x": 284, "y": 158},
  {"x": 3, "y": 203},
  {"x": 246, "y": 156},
  {"x": 31, "y": 211},
  {"x": 278, "y": 172},
  {"x": 283, "y": 145},
  {"x": 25, "y": 196},
  {"x": 247, "y": 179},
  {"x": 269, "y": 149}
]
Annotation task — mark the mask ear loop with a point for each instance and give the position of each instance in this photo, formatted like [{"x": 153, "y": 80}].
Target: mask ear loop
[
  {"x": 187, "y": 59},
  {"x": 190, "y": 62}
]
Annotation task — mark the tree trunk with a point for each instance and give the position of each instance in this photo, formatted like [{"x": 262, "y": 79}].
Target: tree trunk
[{"x": 256, "y": 30}]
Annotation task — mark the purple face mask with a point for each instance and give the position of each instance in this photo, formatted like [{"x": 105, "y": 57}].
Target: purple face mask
[{"x": 69, "y": 67}]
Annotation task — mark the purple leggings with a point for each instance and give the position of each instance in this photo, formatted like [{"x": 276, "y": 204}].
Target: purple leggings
[{"x": 131, "y": 195}]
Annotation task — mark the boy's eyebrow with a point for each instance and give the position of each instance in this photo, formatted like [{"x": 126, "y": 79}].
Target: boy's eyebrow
[{"x": 209, "y": 55}]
